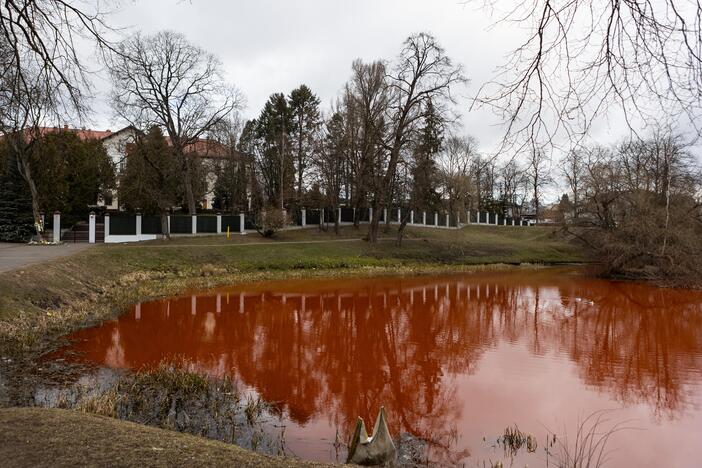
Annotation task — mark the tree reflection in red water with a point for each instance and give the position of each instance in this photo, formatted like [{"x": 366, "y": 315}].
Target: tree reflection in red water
[{"x": 452, "y": 358}]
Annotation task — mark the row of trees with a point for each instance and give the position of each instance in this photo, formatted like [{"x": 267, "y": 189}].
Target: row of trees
[{"x": 69, "y": 174}]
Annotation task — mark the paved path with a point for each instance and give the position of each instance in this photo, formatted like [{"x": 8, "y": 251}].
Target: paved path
[{"x": 14, "y": 256}]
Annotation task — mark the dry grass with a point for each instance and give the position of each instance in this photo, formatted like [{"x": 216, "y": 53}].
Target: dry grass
[{"x": 61, "y": 438}]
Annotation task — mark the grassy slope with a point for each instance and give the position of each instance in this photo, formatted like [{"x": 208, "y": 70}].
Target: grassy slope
[{"x": 54, "y": 437}]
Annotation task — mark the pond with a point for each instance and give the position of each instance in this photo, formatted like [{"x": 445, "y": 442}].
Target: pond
[{"x": 454, "y": 359}]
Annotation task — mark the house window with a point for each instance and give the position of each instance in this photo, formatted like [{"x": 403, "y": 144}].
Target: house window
[{"x": 108, "y": 199}]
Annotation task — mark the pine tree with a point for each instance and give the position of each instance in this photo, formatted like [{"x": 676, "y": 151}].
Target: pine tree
[
  {"x": 424, "y": 170},
  {"x": 16, "y": 221},
  {"x": 304, "y": 107}
]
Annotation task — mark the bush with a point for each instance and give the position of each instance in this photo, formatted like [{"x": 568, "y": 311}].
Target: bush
[{"x": 270, "y": 220}]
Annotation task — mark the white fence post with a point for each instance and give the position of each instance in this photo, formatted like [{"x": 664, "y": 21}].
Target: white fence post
[
  {"x": 448, "y": 218},
  {"x": 512, "y": 221},
  {"x": 338, "y": 215},
  {"x": 411, "y": 216},
  {"x": 242, "y": 220},
  {"x": 385, "y": 215},
  {"x": 91, "y": 228},
  {"x": 194, "y": 224},
  {"x": 370, "y": 214},
  {"x": 107, "y": 227},
  {"x": 138, "y": 226},
  {"x": 399, "y": 215},
  {"x": 424, "y": 217},
  {"x": 497, "y": 219},
  {"x": 57, "y": 226},
  {"x": 304, "y": 217},
  {"x": 436, "y": 218},
  {"x": 219, "y": 223},
  {"x": 467, "y": 216}
]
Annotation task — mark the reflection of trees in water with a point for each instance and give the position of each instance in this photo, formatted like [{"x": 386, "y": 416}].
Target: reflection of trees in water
[
  {"x": 346, "y": 351},
  {"x": 640, "y": 343}
]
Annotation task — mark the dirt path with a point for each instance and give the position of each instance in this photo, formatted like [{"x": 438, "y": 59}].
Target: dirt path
[
  {"x": 40, "y": 437},
  {"x": 15, "y": 256}
]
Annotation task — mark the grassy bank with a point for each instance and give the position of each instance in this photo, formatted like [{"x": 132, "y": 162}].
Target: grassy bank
[{"x": 54, "y": 437}]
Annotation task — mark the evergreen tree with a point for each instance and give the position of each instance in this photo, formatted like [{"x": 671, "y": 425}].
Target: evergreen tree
[
  {"x": 273, "y": 150},
  {"x": 70, "y": 173},
  {"x": 424, "y": 171},
  {"x": 304, "y": 107},
  {"x": 151, "y": 181},
  {"x": 16, "y": 220}
]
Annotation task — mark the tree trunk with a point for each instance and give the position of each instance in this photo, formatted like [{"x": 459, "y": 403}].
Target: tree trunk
[
  {"x": 164, "y": 225},
  {"x": 188, "y": 180},
  {"x": 373, "y": 227},
  {"x": 26, "y": 172},
  {"x": 401, "y": 229}
]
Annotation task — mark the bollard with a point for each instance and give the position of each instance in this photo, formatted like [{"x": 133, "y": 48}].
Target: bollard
[{"x": 242, "y": 220}]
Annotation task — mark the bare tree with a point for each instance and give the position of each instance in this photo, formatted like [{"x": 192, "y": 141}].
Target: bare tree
[
  {"x": 366, "y": 99},
  {"x": 329, "y": 160},
  {"x": 573, "y": 170},
  {"x": 538, "y": 174},
  {"x": 164, "y": 80},
  {"x": 454, "y": 166},
  {"x": 423, "y": 72},
  {"x": 582, "y": 59}
]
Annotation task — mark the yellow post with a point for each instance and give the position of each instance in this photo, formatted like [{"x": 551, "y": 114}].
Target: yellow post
[{"x": 227, "y": 232}]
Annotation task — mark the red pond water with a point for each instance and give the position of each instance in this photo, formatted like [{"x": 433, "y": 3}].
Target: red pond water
[{"x": 454, "y": 359}]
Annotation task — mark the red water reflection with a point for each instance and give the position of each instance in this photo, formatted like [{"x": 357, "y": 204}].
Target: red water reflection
[{"x": 453, "y": 359}]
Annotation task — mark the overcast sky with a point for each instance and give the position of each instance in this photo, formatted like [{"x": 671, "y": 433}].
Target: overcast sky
[
  {"x": 271, "y": 46},
  {"x": 274, "y": 46}
]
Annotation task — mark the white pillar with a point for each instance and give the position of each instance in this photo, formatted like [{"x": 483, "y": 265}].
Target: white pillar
[
  {"x": 57, "y": 226},
  {"x": 138, "y": 226},
  {"x": 338, "y": 215},
  {"x": 242, "y": 220},
  {"x": 424, "y": 217},
  {"x": 370, "y": 213},
  {"x": 107, "y": 226},
  {"x": 448, "y": 218},
  {"x": 168, "y": 222},
  {"x": 467, "y": 216},
  {"x": 458, "y": 218},
  {"x": 304, "y": 217},
  {"x": 219, "y": 223},
  {"x": 385, "y": 215},
  {"x": 504, "y": 221},
  {"x": 399, "y": 215},
  {"x": 411, "y": 216},
  {"x": 436, "y": 218},
  {"x": 91, "y": 228},
  {"x": 497, "y": 219},
  {"x": 194, "y": 224}
]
